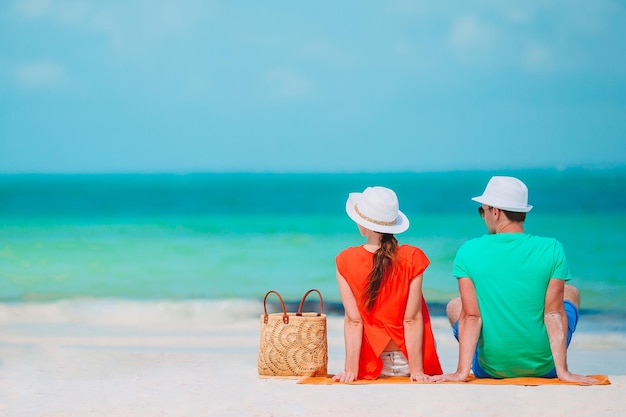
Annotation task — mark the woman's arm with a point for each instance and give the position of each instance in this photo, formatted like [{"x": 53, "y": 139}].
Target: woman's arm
[
  {"x": 414, "y": 330},
  {"x": 353, "y": 332}
]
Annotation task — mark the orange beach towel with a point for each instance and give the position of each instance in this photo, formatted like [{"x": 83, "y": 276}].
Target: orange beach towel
[{"x": 528, "y": 381}]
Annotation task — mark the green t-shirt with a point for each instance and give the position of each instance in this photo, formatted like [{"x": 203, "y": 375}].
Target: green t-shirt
[{"x": 510, "y": 272}]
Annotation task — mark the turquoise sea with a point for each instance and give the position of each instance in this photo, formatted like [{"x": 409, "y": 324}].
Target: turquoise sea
[{"x": 154, "y": 237}]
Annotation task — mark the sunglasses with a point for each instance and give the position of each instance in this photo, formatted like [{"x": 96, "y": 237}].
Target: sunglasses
[{"x": 481, "y": 211}]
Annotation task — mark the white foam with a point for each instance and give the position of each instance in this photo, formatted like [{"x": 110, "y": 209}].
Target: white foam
[{"x": 184, "y": 314}]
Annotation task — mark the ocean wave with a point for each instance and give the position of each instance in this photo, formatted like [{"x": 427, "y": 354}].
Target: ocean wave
[
  {"x": 185, "y": 314},
  {"x": 199, "y": 314}
]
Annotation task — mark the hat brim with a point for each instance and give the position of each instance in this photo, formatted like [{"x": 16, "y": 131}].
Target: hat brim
[
  {"x": 499, "y": 205},
  {"x": 401, "y": 223}
]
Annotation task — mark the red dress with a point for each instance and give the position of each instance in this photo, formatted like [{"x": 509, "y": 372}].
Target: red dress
[{"x": 385, "y": 320}]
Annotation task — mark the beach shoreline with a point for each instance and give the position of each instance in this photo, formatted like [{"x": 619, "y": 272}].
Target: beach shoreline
[{"x": 198, "y": 359}]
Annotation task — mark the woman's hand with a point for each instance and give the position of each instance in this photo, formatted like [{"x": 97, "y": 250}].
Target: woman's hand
[
  {"x": 420, "y": 377},
  {"x": 345, "y": 376}
]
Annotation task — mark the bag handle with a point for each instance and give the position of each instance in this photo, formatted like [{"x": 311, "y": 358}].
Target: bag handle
[
  {"x": 282, "y": 303},
  {"x": 299, "y": 313}
]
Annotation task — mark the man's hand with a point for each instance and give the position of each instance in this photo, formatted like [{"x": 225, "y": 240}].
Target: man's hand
[
  {"x": 580, "y": 379},
  {"x": 455, "y": 377}
]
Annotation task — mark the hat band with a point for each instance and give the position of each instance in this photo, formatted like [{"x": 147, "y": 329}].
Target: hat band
[{"x": 378, "y": 222}]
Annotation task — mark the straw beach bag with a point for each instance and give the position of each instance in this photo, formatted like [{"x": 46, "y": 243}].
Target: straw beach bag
[{"x": 293, "y": 344}]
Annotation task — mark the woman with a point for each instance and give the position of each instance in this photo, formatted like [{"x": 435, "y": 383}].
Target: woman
[{"x": 387, "y": 326}]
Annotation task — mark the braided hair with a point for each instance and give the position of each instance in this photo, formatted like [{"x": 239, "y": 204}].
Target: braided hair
[{"x": 383, "y": 260}]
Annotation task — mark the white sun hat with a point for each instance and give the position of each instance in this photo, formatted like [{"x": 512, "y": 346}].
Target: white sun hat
[
  {"x": 377, "y": 209},
  {"x": 505, "y": 193}
]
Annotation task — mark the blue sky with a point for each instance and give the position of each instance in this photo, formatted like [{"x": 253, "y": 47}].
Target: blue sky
[{"x": 290, "y": 86}]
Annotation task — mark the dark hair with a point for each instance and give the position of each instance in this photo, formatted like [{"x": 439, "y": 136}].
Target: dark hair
[
  {"x": 515, "y": 216},
  {"x": 383, "y": 260}
]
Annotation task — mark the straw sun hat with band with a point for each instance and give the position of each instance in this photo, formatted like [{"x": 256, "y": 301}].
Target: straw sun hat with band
[{"x": 377, "y": 209}]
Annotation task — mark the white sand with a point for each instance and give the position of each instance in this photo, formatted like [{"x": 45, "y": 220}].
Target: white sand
[{"x": 193, "y": 365}]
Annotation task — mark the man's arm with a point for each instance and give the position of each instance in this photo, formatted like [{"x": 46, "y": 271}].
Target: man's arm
[
  {"x": 556, "y": 325},
  {"x": 470, "y": 324}
]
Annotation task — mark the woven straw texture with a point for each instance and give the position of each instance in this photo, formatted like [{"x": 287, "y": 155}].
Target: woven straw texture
[{"x": 293, "y": 344}]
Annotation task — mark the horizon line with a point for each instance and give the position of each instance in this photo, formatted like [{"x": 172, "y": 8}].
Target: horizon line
[{"x": 557, "y": 168}]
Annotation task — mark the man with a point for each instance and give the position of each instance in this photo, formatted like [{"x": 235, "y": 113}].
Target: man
[{"x": 515, "y": 316}]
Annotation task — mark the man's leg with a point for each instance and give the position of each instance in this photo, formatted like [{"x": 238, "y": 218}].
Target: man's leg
[
  {"x": 453, "y": 310},
  {"x": 571, "y": 297},
  {"x": 572, "y": 294}
]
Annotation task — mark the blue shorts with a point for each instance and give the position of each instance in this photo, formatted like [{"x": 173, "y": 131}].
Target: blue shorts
[{"x": 572, "y": 320}]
